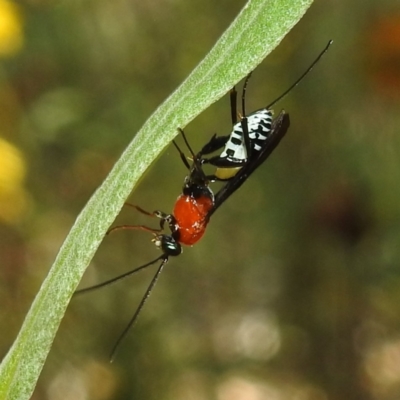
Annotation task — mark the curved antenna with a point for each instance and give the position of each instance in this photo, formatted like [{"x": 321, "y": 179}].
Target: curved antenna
[
  {"x": 145, "y": 297},
  {"x": 301, "y": 77},
  {"x": 119, "y": 277}
]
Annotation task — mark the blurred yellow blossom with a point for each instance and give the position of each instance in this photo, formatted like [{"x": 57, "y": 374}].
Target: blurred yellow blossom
[
  {"x": 13, "y": 198},
  {"x": 11, "y": 35}
]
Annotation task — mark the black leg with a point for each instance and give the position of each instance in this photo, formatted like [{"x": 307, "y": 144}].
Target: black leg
[
  {"x": 246, "y": 138},
  {"x": 244, "y": 95},
  {"x": 245, "y": 126},
  {"x": 233, "y": 100},
  {"x": 215, "y": 143},
  {"x": 186, "y": 142},
  {"x": 182, "y": 155},
  {"x": 164, "y": 218}
]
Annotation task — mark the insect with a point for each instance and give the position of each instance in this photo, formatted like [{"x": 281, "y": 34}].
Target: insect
[{"x": 252, "y": 140}]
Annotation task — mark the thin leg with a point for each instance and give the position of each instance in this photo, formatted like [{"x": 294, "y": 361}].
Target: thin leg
[
  {"x": 196, "y": 173},
  {"x": 134, "y": 227},
  {"x": 216, "y": 143},
  {"x": 245, "y": 126},
  {"x": 186, "y": 142},
  {"x": 244, "y": 95},
  {"x": 140, "y": 209},
  {"x": 157, "y": 214},
  {"x": 246, "y": 138},
  {"x": 233, "y": 100},
  {"x": 182, "y": 155}
]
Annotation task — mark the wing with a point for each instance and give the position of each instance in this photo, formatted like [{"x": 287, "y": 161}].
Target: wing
[{"x": 279, "y": 128}]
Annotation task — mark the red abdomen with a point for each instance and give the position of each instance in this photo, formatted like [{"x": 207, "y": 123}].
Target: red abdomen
[{"x": 191, "y": 217}]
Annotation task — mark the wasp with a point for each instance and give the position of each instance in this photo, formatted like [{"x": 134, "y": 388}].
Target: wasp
[{"x": 252, "y": 140}]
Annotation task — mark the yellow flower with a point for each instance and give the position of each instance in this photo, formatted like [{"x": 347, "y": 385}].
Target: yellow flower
[
  {"x": 11, "y": 35},
  {"x": 13, "y": 198}
]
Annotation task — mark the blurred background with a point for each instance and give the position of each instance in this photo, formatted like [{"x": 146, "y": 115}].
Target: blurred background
[{"x": 294, "y": 291}]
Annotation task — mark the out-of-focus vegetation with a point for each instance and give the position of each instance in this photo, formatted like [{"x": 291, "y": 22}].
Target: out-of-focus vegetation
[{"x": 294, "y": 291}]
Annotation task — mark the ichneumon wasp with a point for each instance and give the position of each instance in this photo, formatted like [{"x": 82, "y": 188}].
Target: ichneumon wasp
[{"x": 252, "y": 140}]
